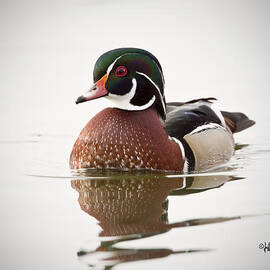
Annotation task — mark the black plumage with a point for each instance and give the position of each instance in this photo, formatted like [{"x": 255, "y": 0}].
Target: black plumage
[{"x": 184, "y": 117}]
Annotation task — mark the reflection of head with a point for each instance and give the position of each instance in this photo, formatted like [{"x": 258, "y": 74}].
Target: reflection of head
[{"x": 127, "y": 206}]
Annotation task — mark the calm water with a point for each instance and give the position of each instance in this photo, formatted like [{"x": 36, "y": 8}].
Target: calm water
[
  {"x": 53, "y": 218},
  {"x": 58, "y": 220}
]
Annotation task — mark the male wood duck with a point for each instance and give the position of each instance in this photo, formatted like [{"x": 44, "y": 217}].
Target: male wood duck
[{"x": 141, "y": 130}]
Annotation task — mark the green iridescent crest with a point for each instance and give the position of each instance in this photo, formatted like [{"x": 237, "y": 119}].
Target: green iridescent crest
[{"x": 106, "y": 59}]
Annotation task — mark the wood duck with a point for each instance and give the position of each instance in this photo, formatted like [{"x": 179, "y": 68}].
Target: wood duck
[{"x": 141, "y": 130}]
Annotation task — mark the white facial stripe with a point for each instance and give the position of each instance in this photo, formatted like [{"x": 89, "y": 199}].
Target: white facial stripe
[
  {"x": 163, "y": 81},
  {"x": 109, "y": 69},
  {"x": 162, "y": 77},
  {"x": 123, "y": 102},
  {"x": 161, "y": 97}
]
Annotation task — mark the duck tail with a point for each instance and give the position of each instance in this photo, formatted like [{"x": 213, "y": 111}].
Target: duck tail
[{"x": 237, "y": 121}]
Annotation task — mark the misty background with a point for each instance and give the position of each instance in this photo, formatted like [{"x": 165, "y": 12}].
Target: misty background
[{"x": 206, "y": 48}]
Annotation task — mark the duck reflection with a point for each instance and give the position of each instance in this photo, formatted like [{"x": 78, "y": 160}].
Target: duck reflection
[
  {"x": 131, "y": 206},
  {"x": 127, "y": 206}
]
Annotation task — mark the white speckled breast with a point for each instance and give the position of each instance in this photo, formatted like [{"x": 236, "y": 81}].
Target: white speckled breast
[{"x": 118, "y": 139}]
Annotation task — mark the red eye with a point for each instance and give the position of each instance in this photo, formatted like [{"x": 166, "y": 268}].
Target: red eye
[{"x": 121, "y": 71}]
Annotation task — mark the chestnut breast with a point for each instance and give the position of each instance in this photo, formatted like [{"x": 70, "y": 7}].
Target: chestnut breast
[{"x": 118, "y": 139}]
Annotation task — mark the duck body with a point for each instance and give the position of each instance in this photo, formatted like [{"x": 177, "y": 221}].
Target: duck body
[{"x": 142, "y": 131}]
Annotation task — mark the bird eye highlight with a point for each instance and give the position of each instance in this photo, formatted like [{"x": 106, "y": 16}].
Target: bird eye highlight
[{"x": 121, "y": 71}]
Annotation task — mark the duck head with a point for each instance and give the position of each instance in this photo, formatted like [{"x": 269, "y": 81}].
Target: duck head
[{"x": 131, "y": 78}]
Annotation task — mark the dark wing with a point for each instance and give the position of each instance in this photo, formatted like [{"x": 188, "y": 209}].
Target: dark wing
[{"x": 182, "y": 118}]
